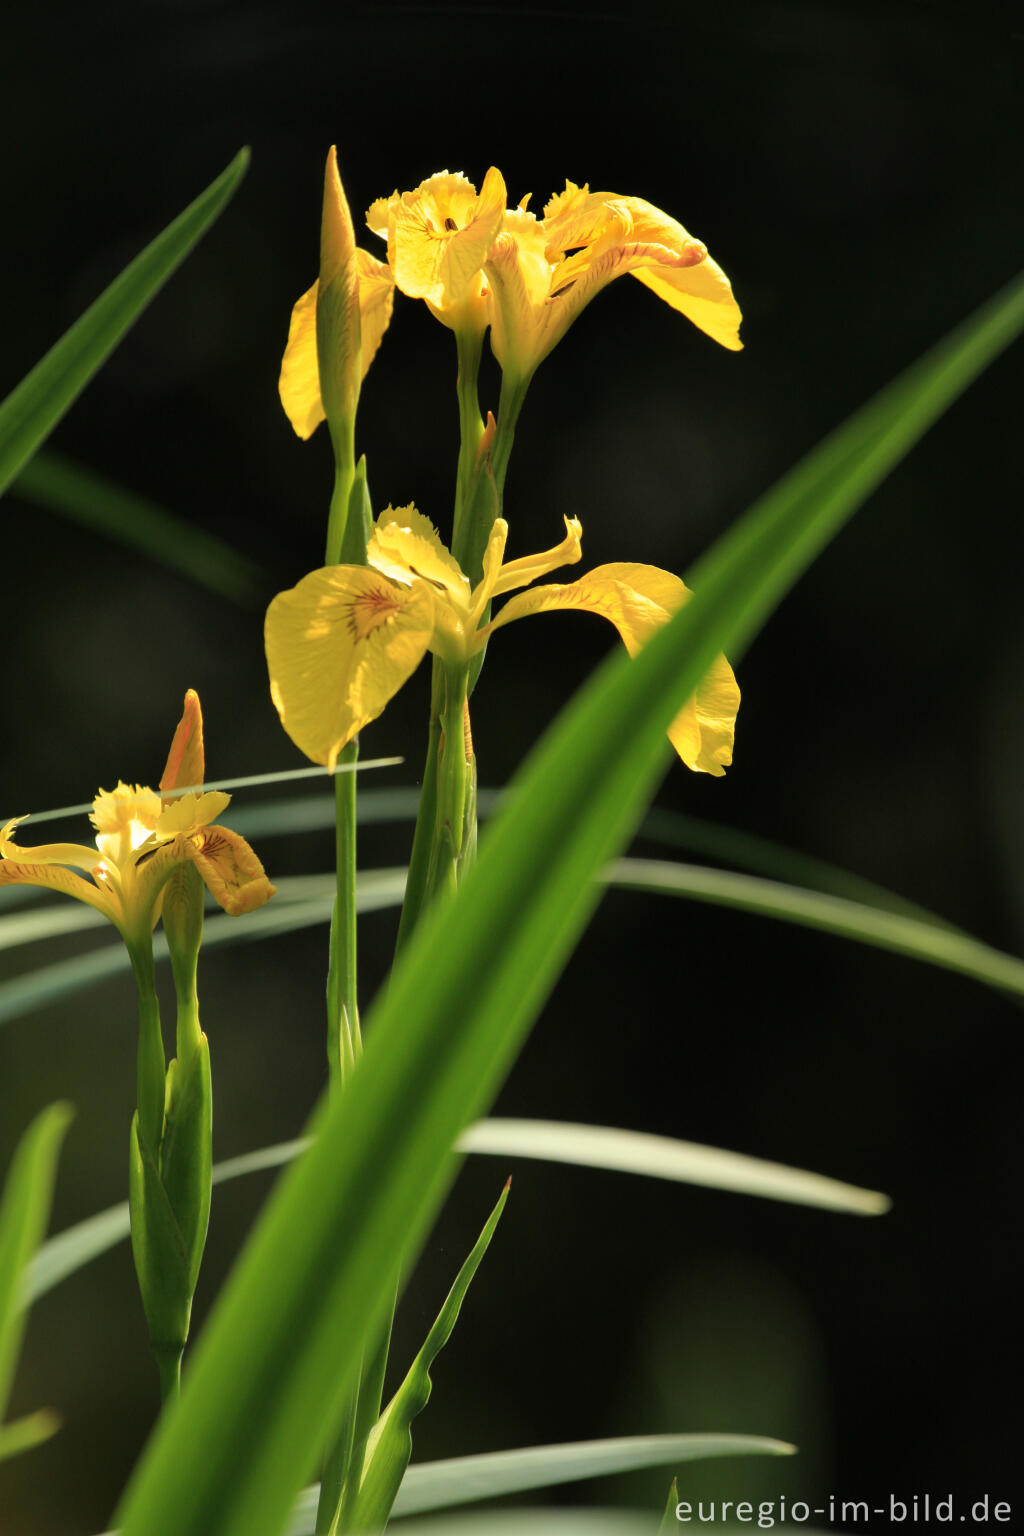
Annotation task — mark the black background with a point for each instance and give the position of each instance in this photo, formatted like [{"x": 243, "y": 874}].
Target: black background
[{"x": 855, "y": 169}]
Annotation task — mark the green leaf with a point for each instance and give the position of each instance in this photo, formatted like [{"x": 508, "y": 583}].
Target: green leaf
[
  {"x": 928, "y": 940},
  {"x": 431, "y": 1485},
  {"x": 24, "y": 1213},
  {"x": 389, "y": 1445},
  {"x": 25, "y": 1434},
  {"x": 553, "y": 1141},
  {"x": 669, "y": 1523},
  {"x": 34, "y": 407},
  {"x": 663, "y": 1157},
  {"x": 278, "y": 1357},
  {"x": 22, "y": 995},
  {"x": 52, "y": 481}
]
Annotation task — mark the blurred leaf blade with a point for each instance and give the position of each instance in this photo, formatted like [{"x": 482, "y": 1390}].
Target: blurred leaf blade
[
  {"x": 33, "y": 408},
  {"x": 434, "y": 1485},
  {"x": 24, "y": 1213},
  {"x": 932, "y": 942},
  {"x": 59, "y": 485},
  {"x": 556, "y": 1141},
  {"x": 280, "y": 1352}
]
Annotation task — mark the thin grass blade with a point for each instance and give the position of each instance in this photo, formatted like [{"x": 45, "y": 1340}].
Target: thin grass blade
[{"x": 32, "y": 409}]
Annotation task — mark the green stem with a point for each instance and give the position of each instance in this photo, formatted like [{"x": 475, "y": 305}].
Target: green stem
[
  {"x": 151, "y": 1061},
  {"x": 426, "y": 818},
  {"x": 510, "y": 403},
  {"x": 343, "y": 440},
  {"x": 449, "y": 828},
  {"x": 469, "y": 347}
]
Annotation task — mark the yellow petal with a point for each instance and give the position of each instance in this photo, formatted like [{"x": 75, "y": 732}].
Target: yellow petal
[
  {"x": 405, "y": 544},
  {"x": 53, "y": 877},
  {"x": 638, "y": 600},
  {"x": 439, "y": 234},
  {"x": 340, "y": 644},
  {"x": 299, "y": 384},
  {"x": 518, "y": 573},
  {"x": 190, "y": 812},
  {"x": 46, "y": 853},
  {"x": 232, "y": 872},
  {"x": 703, "y": 294},
  {"x": 186, "y": 761},
  {"x": 126, "y": 808}
]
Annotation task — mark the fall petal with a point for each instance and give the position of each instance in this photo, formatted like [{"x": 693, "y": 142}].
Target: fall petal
[
  {"x": 703, "y": 294},
  {"x": 405, "y": 544},
  {"x": 340, "y": 644},
  {"x": 230, "y": 869},
  {"x": 638, "y": 600}
]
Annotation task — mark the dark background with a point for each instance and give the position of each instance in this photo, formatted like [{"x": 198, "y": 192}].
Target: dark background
[{"x": 855, "y": 170}]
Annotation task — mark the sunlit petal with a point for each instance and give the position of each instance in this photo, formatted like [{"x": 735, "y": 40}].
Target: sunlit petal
[
  {"x": 53, "y": 877},
  {"x": 518, "y": 573},
  {"x": 340, "y": 644},
  {"x": 73, "y": 854},
  {"x": 405, "y": 544},
  {"x": 232, "y": 872},
  {"x": 299, "y": 384},
  {"x": 638, "y": 600},
  {"x": 191, "y": 811}
]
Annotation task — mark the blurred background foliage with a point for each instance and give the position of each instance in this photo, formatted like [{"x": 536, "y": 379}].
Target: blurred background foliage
[{"x": 854, "y": 167}]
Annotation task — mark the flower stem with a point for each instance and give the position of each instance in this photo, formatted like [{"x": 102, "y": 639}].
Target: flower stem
[
  {"x": 343, "y": 440},
  {"x": 510, "y": 403},
  {"x": 469, "y": 346},
  {"x": 151, "y": 1061}
]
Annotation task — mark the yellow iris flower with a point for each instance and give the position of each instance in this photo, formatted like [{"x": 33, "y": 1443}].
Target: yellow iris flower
[
  {"x": 476, "y": 263},
  {"x": 141, "y": 840},
  {"x": 439, "y": 237},
  {"x": 342, "y": 642}
]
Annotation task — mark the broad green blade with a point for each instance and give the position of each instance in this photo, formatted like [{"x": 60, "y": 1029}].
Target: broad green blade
[
  {"x": 573, "y": 1522},
  {"x": 34, "y": 407},
  {"x": 928, "y": 940},
  {"x": 551, "y": 1141},
  {"x": 278, "y": 1357},
  {"x": 24, "y": 1213},
  {"x": 389, "y": 1445},
  {"x": 431, "y": 1485},
  {"x": 56, "y": 483}
]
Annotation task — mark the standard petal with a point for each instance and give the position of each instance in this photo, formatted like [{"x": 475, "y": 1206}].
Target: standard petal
[
  {"x": 638, "y": 600},
  {"x": 191, "y": 812},
  {"x": 299, "y": 384},
  {"x": 405, "y": 544},
  {"x": 518, "y": 573},
  {"x": 439, "y": 235},
  {"x": 186, "y": 761},
  {"x": 340, "y": 644}
]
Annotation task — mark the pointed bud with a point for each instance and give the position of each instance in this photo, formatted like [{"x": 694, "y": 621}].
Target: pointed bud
[
  {"x": 338, "y": 331},
  {"x": 186, "y": 763}
]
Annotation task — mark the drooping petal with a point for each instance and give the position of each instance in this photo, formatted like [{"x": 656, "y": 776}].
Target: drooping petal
[
  {"x": 638, "y": 600},
  {"x": 703, "y": 294},
  {"x": 186, "y": 761},
  {"x": 340, "y": 644},
  {"x": 405, "y": 544},
  {"x": 376, "y": 301}
]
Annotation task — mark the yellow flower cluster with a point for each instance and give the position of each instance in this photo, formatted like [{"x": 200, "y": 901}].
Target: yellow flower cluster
[{"x": 477, "y": 263}]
